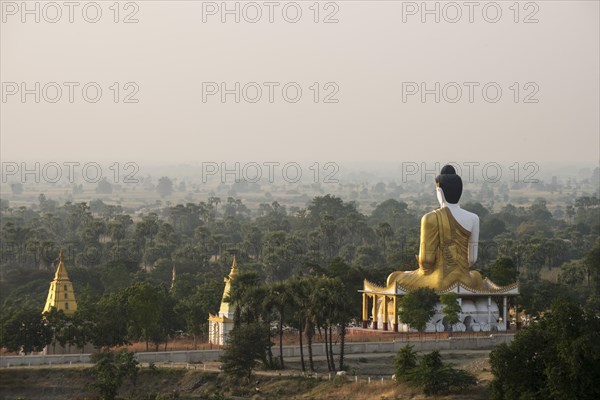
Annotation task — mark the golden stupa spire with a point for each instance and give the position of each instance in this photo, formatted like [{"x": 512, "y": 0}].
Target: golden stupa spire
[
  {"x": 61, "y": 271},
  {"x": 222, "y": 323},
  {"x": 61, "y": 294},
  {"x": 225, "y": 309},
  {"x": 234, "y": 268}
]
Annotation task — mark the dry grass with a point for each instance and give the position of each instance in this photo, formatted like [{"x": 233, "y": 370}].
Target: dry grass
[
  {"x": 380, "y": 391},
  {"x": 73, "y": 383}
]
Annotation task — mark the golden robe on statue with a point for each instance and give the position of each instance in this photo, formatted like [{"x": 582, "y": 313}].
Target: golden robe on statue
[{"x": 443, "y": 255}]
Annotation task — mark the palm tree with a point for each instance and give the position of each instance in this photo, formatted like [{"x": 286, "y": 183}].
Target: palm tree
[
  {"x": 341, "y": 314},
  {"x": 310, "y": 311},
  {"x": 281, "y": 299},
  {"x": 300, "y": 291},
  {"x": 323, "y": 299},
  {"x": 244, "y": 306},
  {"x": 328, "y": 230},
  {"x": 451, "y": 309},
  {"x": 260, "y": 296},
  {"x": 214, "y": 201}
]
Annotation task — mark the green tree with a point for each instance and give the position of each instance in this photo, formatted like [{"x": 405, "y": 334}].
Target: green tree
[
  {"x": 246, "y": 347},
  {"x": 557, "y": 358},
  {"x": 328, "y": 229},
  {"x": 170, "y": 321},
  {"x": 80, "y": 330},
  {"x": 326, "y": 301},
  {"x": 384, "y": 231},
  {"x": 328, "y": 205},
  {"x": 436, "y": 378},
  {"x": 147, "y": 229},
  {"x": 492, "y": 227},
  {"x": 195, "y": 308},
  {"x": 503, "y": 272},
  {"x": 572, "y": 273},
  {"x": 282, "y": 304},
  {"x": 109, "y": 318},
  {"x": 451, "y": 308},
  {"x": 145, "y": 304},
  {"x": 300, "y": 288},
  {"x": 537, "y": 296},
  {"x": 243, "y": 311},
  {"x": 116, "y": 275},
  {"x": 342, "y": 314},
  {"x": 430, "y": 374},
  {"x": 24, "y": 329},
  {"x": 592, "y": 264},
  {"x": 392, "y": 212},
  {"x": 417, "y": 308},
  {"x": 110, "y": 370},
  {"x": 353, "y": 282},
  {"x": 59, "y": 323},
  {"x": 369, "y": 257},
  {"x": 404, "y": 362},
  {"x": 307, "y": 309},
  {"x": 261, "y": 303}
]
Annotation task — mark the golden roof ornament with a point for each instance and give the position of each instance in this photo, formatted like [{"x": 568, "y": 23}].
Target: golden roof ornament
[{"x": 234, "y": 268}]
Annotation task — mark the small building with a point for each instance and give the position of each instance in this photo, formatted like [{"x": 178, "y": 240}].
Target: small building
[{"x": 221, "y": 324}]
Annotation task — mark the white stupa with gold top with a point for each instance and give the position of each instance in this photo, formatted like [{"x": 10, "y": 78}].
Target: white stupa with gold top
[
  {"x": 61, "y": 294},
  {"x": 221, "y": 324}
]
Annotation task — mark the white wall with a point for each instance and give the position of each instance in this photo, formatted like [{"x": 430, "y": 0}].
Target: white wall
[{"x": 474, "y": 343}]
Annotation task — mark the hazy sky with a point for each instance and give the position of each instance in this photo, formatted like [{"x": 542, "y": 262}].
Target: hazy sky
[{"x": 370, "y": 61}]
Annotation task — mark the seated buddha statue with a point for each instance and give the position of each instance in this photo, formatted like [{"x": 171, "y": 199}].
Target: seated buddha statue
[{"x": 448, "y": 245}]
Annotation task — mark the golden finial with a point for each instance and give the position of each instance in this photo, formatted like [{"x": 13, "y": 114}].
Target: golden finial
[
  {"x": 61, "y": 271},
  {"x": 234, "y": 267}
]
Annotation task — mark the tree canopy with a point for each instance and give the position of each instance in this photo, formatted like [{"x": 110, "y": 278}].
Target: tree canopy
[
  {"x": 417, "y": 307},
  {"x": 556, "y": 358}
]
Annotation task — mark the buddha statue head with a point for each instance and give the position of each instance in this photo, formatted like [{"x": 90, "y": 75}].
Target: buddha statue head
[{"x": 448, "y": 185}]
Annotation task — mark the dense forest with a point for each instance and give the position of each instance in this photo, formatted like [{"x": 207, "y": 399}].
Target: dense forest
[{"x": 116, "y": 258}]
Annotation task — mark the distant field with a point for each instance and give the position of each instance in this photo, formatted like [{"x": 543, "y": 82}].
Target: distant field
[{"x": 137, "y": 197}]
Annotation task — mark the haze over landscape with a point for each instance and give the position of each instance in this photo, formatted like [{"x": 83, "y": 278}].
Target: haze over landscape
[{"x": 369, "y": 55}]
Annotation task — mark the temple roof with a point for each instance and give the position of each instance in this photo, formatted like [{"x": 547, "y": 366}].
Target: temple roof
[
  {"x": 217, "y": 318},
  {"x": 488, "y": 288}
]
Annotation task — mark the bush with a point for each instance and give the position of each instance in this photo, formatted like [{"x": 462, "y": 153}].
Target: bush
[
  {"x": 246, "y": 347},
  {"x": 556, "y": 359},
  {"x": 430, "y": 375},
  {"x": 111, "y": 369},
  {"x": 404, "y": 362}
]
